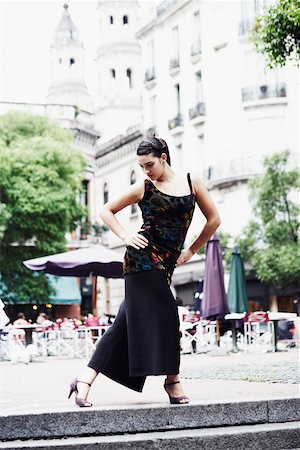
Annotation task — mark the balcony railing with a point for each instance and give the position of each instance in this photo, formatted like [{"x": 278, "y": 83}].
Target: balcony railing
[
  {"x": 196, "y": 48},
  {"x": 150, "y": 74},
  {"x": 150, "y": 132},
  {"x": 174, "y": 63},
  {"x": 175, "y": 122},
  {"x": 198, "y": 110},
  {"x": 163, "y": 6},
  {"x": 233, "y": 170},
  {"x": 264, "y": 91}
]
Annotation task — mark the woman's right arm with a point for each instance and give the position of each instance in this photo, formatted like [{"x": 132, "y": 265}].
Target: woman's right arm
[{"x": 107, "y": 213}]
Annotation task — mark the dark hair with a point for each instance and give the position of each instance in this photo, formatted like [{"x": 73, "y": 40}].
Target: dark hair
[{"x": 154, "y": 145}]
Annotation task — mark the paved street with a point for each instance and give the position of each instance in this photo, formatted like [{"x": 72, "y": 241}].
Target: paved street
[
  {"x": 43, "y": 385},
  {"x": 281, "y": 367}
]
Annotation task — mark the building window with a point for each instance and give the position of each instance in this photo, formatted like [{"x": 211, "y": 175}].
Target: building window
[
  {"x": 177, "y": 119},
  {"x": 72, "y": 61},
  {"x": 196, "y": 45},
  {"x": 113, "y": 73},
  {"x": 59, "y": 60},
  {"x": 199, "y": 87},
  {"x": 177, "y": 97},
  {"x": 133, "y": 181},
  {"x": 125, "y": 20},
  {"x": 111, "y": 20},
  {"x": 129, "y": 78},
  {"x": 84, "y": 193},
  {"x": 105, "y": 193},
  {"x": 175, "y": 44},
  {"x": 150, "y": 71},
  {"x": 249, "y": 10}
]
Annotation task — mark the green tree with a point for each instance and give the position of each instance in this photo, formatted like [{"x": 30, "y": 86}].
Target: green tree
[
  {"x": 271, "y": 241},
  {"x": 40, "y": 176},
  {"x": 276, "y": 34}
]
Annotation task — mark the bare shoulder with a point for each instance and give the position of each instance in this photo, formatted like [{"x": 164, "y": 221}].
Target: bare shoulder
[
  {"x": 137, "y": 190},
  {"x": 132, "y": 195},
  {"x": 197, "y": 184}
]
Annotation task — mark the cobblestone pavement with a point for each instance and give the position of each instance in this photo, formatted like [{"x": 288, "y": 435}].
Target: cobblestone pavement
[{"x": 271, "y": 368}]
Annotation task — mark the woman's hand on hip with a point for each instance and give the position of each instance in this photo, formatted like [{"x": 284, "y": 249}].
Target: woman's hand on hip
[
  {"x": 184, "y": 256},
  {"x": 135, "y": 240}
]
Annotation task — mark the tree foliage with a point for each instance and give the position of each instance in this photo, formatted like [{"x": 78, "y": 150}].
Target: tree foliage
[
  {"x": 40, "y": 175},
  {"x": 276, "y": 34},
  {"x": 271, "y": 241}
]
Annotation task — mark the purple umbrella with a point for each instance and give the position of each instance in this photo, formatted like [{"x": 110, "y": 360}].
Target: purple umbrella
[
  {"x": 98, "y": 261},
  {"x": 214, "y": 303}
]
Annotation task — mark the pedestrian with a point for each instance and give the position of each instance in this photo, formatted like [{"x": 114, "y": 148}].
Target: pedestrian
[
  {"x": 20, "y": 320},
  {"x": 144, "y": 338}
]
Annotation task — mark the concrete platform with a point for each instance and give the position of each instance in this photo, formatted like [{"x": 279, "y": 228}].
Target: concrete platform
[{"x": 223, "y": 413}]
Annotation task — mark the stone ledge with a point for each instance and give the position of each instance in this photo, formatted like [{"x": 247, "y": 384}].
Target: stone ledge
[
  {"x": 267, "y": 437},
  {"x": 91, "y": 422}
]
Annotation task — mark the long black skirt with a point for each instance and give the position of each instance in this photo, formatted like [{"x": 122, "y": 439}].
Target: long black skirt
[{"x": 144, "y": 338}]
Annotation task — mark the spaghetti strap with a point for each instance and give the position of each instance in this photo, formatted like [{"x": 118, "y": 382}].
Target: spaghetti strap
[{"x": 190, "y": 182}]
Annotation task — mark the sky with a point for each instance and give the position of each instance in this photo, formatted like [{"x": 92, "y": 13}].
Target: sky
[{"x": 26, "y": 31}]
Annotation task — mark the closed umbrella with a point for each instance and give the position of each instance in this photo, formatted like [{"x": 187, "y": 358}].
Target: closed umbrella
[
  {"x": 237, "y": 295},
  {"x": 214, "y": 304},
  {"x": 98, "y": 261}
]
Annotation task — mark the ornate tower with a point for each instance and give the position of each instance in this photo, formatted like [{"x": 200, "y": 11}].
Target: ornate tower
[
  {"x": 119, "y": 74},
  {"x": 67, "y": 84}
]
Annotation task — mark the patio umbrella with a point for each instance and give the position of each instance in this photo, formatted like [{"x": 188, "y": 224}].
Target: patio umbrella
[
  {"x": 214, "y": 304},
  {"x": 98, "y": 261},
  {"x": 237, "y": 296}
]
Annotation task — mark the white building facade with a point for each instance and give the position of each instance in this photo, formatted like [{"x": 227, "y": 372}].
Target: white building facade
[
  {"x": 210, "y": 96},
  {"x": 208, "y": 93},
  {"x": 118, "y": 61}
]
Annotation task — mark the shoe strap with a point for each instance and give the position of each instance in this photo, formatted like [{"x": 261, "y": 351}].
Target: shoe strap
[
  {"x": 171, "y": 382},
  {"x": 78, "y": 381}
]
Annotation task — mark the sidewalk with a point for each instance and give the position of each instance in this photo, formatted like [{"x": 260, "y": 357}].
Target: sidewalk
[{"x": 42, "y": 386}]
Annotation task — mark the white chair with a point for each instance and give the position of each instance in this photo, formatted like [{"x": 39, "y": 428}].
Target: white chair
[
  {"x": 259, "y": 333},
  {"x": 188, "y": 329}
]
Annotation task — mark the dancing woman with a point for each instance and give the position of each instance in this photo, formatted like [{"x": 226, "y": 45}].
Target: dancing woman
[{"x": 144, "y": 339}]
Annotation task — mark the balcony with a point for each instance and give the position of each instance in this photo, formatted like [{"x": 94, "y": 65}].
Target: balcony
[
  {"x": 230, "y": 172},
  {"x": 268, "y": 92},
  {"x": 197, "y": 112},
  {"x": 175, "y": 125},
  {"x": 174, "y": 66},
  {"x": 196, "y": 51},
  {"x": 150, "y": 74},
  {"x": 150, "y": 78},
  {"x": 150, "y": 132}
]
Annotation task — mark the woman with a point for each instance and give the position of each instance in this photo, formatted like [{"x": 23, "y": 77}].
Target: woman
[{"x": 144, "y": 339}]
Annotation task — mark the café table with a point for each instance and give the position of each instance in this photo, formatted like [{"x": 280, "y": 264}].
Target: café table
[{"x": 28, "y": 329}]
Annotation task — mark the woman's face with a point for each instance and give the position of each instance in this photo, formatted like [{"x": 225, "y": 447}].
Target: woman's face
[{"x": 152, "y": 166}]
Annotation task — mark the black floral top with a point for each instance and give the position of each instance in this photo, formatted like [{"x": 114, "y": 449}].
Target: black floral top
[{"x": 166, "y": 221}]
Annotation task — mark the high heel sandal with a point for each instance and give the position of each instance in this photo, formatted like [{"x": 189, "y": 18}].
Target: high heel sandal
[
  {"x": 175, "y": 400},
  {"x": 82, "y": 402}
]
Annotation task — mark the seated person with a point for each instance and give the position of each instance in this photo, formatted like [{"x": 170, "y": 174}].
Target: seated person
[{"x": 284, "y": 329}]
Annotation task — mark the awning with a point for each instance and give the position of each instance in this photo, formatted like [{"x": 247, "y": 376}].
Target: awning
[{"x": 67, "y": 290}]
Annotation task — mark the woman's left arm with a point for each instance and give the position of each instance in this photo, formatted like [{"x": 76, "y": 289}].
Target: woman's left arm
[{"x": 213, "y": 221}]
